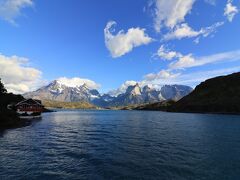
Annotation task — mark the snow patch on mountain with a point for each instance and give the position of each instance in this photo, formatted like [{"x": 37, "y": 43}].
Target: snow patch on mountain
[
  {"x": 77, "y": 82},
  {"x": 135, "y": 93}
]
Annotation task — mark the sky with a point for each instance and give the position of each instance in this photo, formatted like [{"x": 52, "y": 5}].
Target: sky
[{"x": 110, "y": 44}]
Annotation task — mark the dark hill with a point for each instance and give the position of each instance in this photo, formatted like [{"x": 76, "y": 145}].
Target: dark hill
[
  {"x": 9, "y": 118},
  {"x": 216, "y": 95}
]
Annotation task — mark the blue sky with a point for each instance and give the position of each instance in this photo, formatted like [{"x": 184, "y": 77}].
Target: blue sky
[{"x": 114, "y": 43}]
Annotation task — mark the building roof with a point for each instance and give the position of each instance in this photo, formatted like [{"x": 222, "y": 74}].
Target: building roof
[{"x": 30, "y": 101}]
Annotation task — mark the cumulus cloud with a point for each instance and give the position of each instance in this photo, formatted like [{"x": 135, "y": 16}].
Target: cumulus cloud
[
  {"x": 167, "y": 54},
  {"x": 181, "y": 31},
  {"x": 16, "y": 74},
  {"x": 181, "y": 61},
  {"x": 185, "y": 31},
  {"x": 76, "y": 82},
  {"x": 122, "y": 42},
  {"x": 163, "y": 75},
  {"x": 171, "y": 12},
  {"x": 11, "y": 9},
  {"x": 184, "y": 62},
  {"x": 230, "y": 10}
]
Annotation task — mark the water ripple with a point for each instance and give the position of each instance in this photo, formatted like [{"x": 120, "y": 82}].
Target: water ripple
[{"x": 123, "y": 145}]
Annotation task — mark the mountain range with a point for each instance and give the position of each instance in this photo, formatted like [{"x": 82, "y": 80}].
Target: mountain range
[{"x": 58, "y": 91}]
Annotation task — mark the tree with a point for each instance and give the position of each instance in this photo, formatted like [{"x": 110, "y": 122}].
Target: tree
[{"x": 2, "y": 88}]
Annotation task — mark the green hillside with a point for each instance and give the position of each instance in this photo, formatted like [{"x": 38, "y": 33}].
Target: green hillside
[{"x": 68, "y": 105}]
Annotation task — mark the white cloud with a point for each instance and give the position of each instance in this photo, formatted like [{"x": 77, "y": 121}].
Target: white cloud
[
  {"x": 190, "y": 61},
  {"x": 211, "y": 29},
  {"x": 230, "y": 10},
  {"x": 193, "y": 78},
  {"x": 185, "y": 31},
  {"x": 171, "y": 12},
  {"x": 122, "y": 42},
  {"x": 171, "y": 15},
  {"x": 166, "y": 54},
  {"x": 16, "y": 74},
  {"x": 183, "y": 62},
  {"x": 175, "y": 74},
  {"x": 76, "y": 82},
  {"x": 11, "y": 9},
  {"x": 181, "y": 31},
  {"x": 161, "y": 75}
]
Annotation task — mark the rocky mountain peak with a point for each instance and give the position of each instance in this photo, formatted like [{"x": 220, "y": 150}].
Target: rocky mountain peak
[
  {"x": 146, "y": 89},
  {"x": 55, "y": 87},
  {"x": 134, "y": 90},
  {"x": 61, "y": 91},
  {"x": 85, "y": 86}
]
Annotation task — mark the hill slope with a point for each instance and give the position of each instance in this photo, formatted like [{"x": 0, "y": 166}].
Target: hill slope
[
  {"x": 8, "y": 118},
  {"x": 218, "y": 95},
  {"x": 68, "y": 105}
]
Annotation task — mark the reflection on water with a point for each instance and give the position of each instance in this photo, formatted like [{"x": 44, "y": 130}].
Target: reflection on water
[{"x": 123, "y": 145}]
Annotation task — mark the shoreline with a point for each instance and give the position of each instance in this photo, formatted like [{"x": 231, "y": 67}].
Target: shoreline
[
  {"x": 188, "y": 112},
  {"x": 16, "y": 122},
  {"x": 10, "y": 120}
]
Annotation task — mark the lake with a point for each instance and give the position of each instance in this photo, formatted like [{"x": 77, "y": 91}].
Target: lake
[{"x": 123, "y": 145}]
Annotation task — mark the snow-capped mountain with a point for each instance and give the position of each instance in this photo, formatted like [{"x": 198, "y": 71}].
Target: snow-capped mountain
[
  {"x": 133, "y": 95},
  {"x": 59, "y": 91},
  {"x": 137, "y": 95}
]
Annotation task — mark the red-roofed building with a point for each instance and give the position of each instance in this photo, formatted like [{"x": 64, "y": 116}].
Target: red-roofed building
[{"x": 29, "y": 107}]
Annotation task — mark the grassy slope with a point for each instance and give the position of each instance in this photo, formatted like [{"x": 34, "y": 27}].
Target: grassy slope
[
  {"x": 162, "y": 106},
  {"x": 68, "y": 105}
]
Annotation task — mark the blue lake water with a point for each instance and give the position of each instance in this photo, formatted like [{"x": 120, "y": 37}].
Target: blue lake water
[{"x": 123, "y": 145}]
